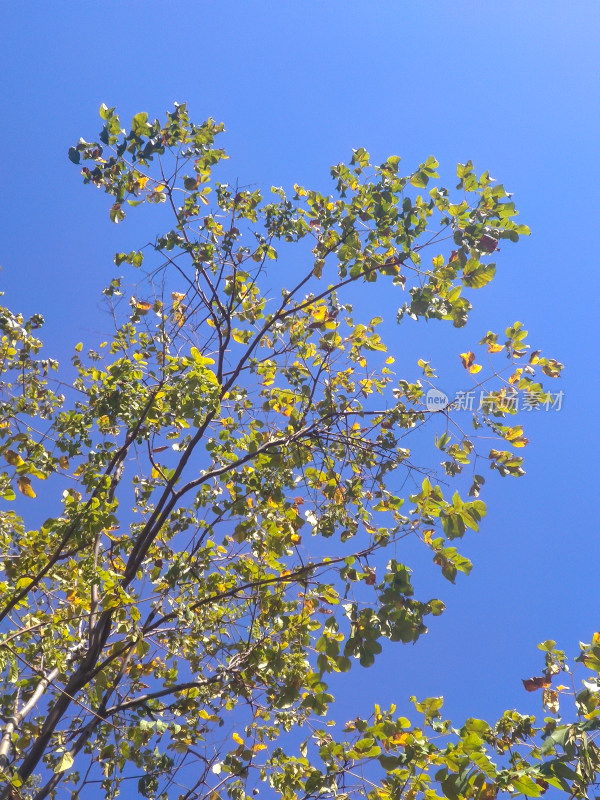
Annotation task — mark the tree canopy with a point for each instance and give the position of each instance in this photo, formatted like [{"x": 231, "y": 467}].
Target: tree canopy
[{"x": 227, "y": 481}]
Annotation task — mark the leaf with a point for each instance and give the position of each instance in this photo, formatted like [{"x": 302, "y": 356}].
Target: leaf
[
  {"x": 526, "y": 786},
  {"x": 13, "y": 458},
  {"x": 65, "y": 763},
  {"x": 419, "y": 179},
  {"x": 487, "y": 243},
  {"x": 468, "y": 359},
  {"x": 550, "y": 700},
  {"x": 24, "y": 485},
  {"x": 199, "y": 358},
  {"x": 476, "y": 275},
  {"x": 533, "y": 684},
  {"x": 241, "y": 336},
  {"x": 237, "y": 738},
  {"x": 318, "y": 267},
  {"x": 116, "y": 213},
  {"x": 551, "y": 367}
]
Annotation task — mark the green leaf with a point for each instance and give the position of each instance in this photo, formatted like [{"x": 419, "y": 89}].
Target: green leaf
[{"x": 476, "y": 275}]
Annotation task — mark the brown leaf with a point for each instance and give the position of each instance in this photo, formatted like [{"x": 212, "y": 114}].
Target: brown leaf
[
  {"x": 13, "y": 458},
  {"x": 370, "y": 577},
  {"x": 468, "y": 362},
  {"x": 24, "y": 485},
  {"x": 550, "y": 700},
  {"x": 533, "y": 684},
  {"x": 467, "y": 359}
]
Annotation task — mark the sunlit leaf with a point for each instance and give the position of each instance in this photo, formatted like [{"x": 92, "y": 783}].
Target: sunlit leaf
[{"x": 24, "y": 485}]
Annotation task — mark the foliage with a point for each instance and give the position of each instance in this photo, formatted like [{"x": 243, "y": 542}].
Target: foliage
[{"x": 225, "y": 473}]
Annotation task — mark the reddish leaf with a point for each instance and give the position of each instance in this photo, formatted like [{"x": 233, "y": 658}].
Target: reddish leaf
[
  {"x": 533, "y": 684},
  {"x": 487, "y": 243}
]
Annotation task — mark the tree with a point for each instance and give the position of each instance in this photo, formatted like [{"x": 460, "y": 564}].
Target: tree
[{"x": 232, "y": 459}]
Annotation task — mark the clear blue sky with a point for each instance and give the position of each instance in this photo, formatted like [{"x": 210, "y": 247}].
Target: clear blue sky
[{"x": 512, "y": 85}]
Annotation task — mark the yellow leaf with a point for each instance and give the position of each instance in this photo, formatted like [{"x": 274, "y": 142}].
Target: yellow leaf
[
  {"x": 390, "y": 360},
  {"x": 237, "y": 738},
  {"x": 13, "y": 458},
  {"x": 516, "y": 376},
  {"x": 467, "y": 359},
  {"x": 24, "y": 485},
  {"x": 514, "y": 433},
  {"x": 63, "y": 462},
  {"x": 320, "y": 314},
  {"x": 179, "y": 316},
  {"x": 296, "y": 538},
  {"x": 237, "y": 336},
  {"x": 520, "y": 442},
  {"x": 495, "y": 348},
  {"x": 65, "y": 763},
  {"x": 199, "y": 358},
  {"x": 258, "y": 746},
  {"x": 428, "y": 535},
  {"x": 475, "y": 369}
]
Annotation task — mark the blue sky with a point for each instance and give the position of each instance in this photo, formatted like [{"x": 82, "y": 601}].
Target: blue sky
[{"x": 513, "y": 86}]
